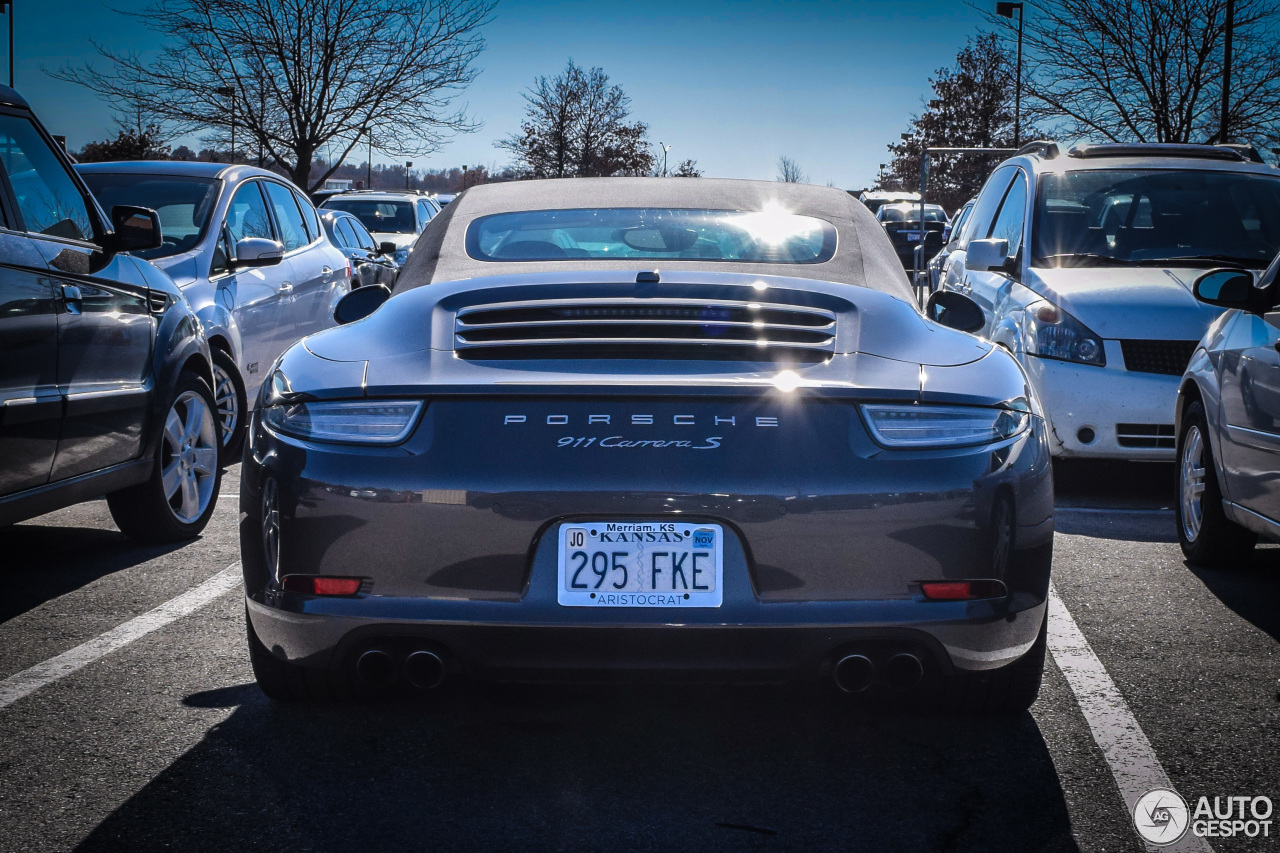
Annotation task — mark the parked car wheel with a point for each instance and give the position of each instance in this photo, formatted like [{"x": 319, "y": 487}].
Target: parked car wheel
[
  {"x": 1205, "y": 533},
  {"x": 177, "y": 500},
  {"x": 229, "y": 400}
]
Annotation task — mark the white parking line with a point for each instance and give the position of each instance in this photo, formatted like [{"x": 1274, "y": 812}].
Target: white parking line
[
  {"x": 1125, "y": 746},
  {"x": 29, "y": 680},
  {"x": 1109, "y": 511}
]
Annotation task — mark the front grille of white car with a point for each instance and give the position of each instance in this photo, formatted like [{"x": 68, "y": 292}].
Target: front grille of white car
[
  {"x": 1151, "y": 436},
  {"x": 646, "y": 328},
  {"x": 1167, "y": 357}
]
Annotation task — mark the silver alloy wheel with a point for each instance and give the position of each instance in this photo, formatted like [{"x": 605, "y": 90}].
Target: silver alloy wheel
[
  {"x": 271, "y": 526},
  {"x": 189, "y": 457},
  {"x": 228, "y": 402},
  {"x": 1191, "y": 483}
]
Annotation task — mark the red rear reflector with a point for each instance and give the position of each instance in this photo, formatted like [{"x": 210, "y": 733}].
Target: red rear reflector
[
  {"x": 314, "y": 585},
  {"x": 947, "y": 590}
]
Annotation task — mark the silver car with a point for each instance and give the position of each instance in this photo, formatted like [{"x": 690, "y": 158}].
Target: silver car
[
  {"x": 1228, "y": 422},
  {"x": 1082, "y": 262},
  {"x": 250, "y": 255}
]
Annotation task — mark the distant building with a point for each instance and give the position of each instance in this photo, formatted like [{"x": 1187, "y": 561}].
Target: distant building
[{"x": 337, "y": 184}]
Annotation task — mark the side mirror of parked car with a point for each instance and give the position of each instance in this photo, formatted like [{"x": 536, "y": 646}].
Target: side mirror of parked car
[
  {"x": 360, "y": 303},
  {"x": 258, "y": 252},
  {"x": 991, "y": 255},
  {"x": 1226, "y": 288},
  {"x": 134, "y": 229},
  {"x": 954, "y": 310},
  {"x": 387, "y": 248}
]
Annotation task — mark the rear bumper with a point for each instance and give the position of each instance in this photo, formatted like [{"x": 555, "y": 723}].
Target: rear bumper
[
  {"x": 779, "y": 647},
  {"x": 1129, "y": 413},
  {"x": 825, "y": 540}
]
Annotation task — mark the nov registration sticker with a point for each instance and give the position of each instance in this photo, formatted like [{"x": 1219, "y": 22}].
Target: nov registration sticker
[{"x": 641, "y": 564}]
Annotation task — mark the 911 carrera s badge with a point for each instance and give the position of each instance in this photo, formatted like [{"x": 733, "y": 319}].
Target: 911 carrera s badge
[{"x": 649, "y": 420}]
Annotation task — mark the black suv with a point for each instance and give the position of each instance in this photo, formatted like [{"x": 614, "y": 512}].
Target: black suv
[{"x": 104, "y": 370}]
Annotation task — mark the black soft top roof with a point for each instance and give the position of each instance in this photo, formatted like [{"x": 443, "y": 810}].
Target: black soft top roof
[{"x": 864, "y": 256}]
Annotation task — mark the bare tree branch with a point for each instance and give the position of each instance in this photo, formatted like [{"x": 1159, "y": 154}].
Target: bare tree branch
[
  {"x": 304, "y": 73},
  {"x": 1149, "y": 70}
]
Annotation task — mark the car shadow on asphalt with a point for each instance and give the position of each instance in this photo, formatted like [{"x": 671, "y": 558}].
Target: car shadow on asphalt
[
  {"x": 42, "y": 563},
  {"x": 1112, "y": 484},
  {"x": 597, "y": 768},
  {"x": 1251, "y": 589}
]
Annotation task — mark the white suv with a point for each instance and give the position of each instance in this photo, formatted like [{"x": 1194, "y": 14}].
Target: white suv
[{"x": 1083, "y": 264}]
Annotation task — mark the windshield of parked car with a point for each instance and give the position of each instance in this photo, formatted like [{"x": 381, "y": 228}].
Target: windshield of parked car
[
  {"x": 184, "y": 204},
  {"x": 1156, "y": 217},
  {"x": 771, "y": 235},
  {"x": 378, "y": 216},
  {"x": 911, "y": 213}
]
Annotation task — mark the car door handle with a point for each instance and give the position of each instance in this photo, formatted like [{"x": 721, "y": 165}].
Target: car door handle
[
  {"x": 286, "y": 287},
  {"x": 72, "y": 298},
  {"x": 327, "y": 272}
]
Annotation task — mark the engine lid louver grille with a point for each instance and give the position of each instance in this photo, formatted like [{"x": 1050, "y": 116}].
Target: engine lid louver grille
[{"x": 646, "y": 328}]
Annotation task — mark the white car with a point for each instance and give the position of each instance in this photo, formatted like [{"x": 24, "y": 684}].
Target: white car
[
  {"x": 391, "y": 216},
  {"x": 1083, "y": 265}
]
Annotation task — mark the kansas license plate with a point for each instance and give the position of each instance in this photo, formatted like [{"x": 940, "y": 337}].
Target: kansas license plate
[
  {"x": 641, "y": 564},
  {"x": 912, "y": 235}
]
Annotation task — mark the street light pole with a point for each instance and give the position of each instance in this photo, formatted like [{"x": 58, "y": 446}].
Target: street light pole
[
  {"x": 1005, "y": 10},
  {"x": 230, "y": 92},
  {"x": 665, "y": 149},
  {"x": 368, "y": 173},
  {"x": 1226, "y": 70},
  {"x": 407, "y": 166}
]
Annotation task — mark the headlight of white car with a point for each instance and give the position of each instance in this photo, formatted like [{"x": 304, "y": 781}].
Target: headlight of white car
[
  {"x": 922, "y": 427},
  {"x": 350, "y": 422},
  {"x": 1050, "y": 332}
]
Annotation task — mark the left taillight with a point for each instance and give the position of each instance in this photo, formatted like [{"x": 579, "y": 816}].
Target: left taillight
[{"x": 346, "y": 421}]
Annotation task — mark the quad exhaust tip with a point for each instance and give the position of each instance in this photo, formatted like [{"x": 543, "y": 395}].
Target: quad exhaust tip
[
  {"x": 854, "y": 673},
  {"x": 903, "y": 671},
  {"x": 424, "y": 669},
  {"x": 376, "y": 668}
]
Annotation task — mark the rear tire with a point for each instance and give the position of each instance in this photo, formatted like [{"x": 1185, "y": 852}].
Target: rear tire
[
  {"x": 289, "y": 682},
  {"x": 228, "y": 394},
  {"x": 1207, "y": 536},
  {"x": 177, "y": 500},
  {"x": 1008, "y": 690}
]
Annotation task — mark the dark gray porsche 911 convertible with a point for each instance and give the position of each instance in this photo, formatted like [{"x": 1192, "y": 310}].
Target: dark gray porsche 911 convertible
[{"x": 644, "y": 428}]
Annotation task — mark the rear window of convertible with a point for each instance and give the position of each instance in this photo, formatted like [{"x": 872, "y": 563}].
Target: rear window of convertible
[{"x": 769, "y": 236}]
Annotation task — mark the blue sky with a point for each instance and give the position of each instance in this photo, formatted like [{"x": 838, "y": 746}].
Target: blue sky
[{"x": 733, "y": 85}]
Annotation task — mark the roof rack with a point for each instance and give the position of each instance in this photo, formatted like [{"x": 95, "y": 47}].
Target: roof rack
[
  {"x": 1046, "y": 149},
  {"x": 1249, "y": 152},
  {"x": 1234, "y": 153}
]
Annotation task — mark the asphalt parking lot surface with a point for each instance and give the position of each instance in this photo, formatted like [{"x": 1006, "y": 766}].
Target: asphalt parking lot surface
[{"x": 164, "y": 741}]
